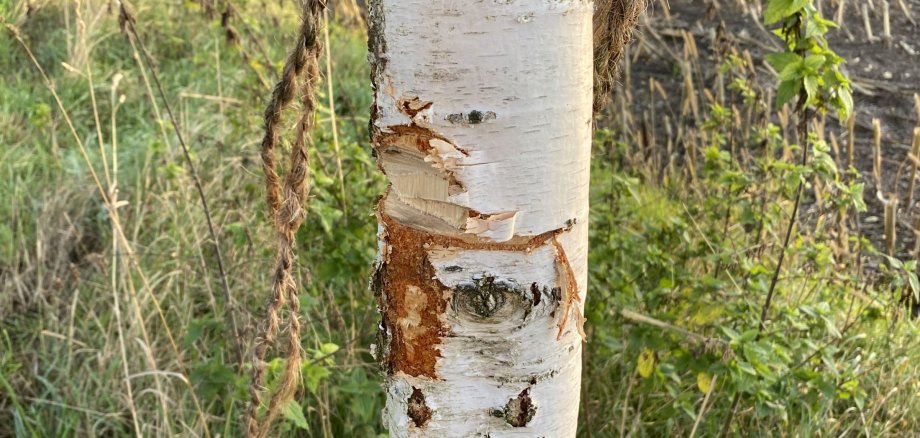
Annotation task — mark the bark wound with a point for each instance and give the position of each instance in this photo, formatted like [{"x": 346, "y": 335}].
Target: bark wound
[
  {"x": 438, "y": 152},
  {"x": 411, "y": 302},
  {"x": 520, "y": 410},
  {"x": 418, "y": 411},
  {"x": 565, "y": 278},
  {"x": 486, "y": 297},
  {"x": 422, "y": 164},
  {"x": 474, "y": 117}
]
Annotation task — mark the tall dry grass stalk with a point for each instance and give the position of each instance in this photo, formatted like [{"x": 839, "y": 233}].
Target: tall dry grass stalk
[
  {"x": 332, "y": 121},
  {"x": 890, "y": 200},
  {"x": 122, "y": 242},
  {"x": 917, "y": 106},
  {"x": 851, "y": 139},
  {"x": 914, "y": 159},
  {"x": 128, "y": 23}
]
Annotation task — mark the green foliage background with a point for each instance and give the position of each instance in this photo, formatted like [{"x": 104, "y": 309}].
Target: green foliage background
[{"x": 692, "y": 253}]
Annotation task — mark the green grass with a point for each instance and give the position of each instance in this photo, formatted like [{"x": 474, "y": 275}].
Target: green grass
[
  {"x": 826, "y": 367},
  {"x": 64, "y": 375}
]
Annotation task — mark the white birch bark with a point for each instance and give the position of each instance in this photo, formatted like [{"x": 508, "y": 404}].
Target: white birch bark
[{"x": 482, "y": 123}]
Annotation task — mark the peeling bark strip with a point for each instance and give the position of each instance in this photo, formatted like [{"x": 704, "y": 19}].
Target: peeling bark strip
[
  {"x": 568, "y": 285},
  {"x": 483, "y": 229}
]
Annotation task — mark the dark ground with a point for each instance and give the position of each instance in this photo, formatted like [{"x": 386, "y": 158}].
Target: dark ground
[{"x": 885, "y": 75}]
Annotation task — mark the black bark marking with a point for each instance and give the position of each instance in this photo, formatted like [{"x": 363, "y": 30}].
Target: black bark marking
[
  {"x": 535, "y": 290},
  {"x": 484, "y": 296},
  {"x": 557, "y": 294},
  {"x": 520, "y": 410},
  {"x": 418, "y": 411},
  {"x": 473, "y": 117}
]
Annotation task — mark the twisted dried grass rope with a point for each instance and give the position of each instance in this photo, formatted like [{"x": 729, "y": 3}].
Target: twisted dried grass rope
[
  {"x": 286, "y": 208},
  {"x": 614, "y": 21}
]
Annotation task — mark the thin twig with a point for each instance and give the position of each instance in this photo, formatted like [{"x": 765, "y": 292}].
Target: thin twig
[
  {"x": 699, "y": 417},
  {"x": 699, "y": 339},
  {"x": 805, "y": 117},
  {"x": 129, "y": 24}
]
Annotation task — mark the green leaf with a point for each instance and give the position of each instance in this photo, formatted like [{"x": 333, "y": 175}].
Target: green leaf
[
  {"x": 791, "y": 72},
  {"x": 746, "y": 368},
  {"x": 811, "y": 86},
  {"x": 796, "y": 6},
  {"x": 787, "y": 90},
  {"x": 845, "y": 103},
  {"x": 322, "y": 180},
  {"x": 293, "y": 412},
  {"x": 813, "y": 29},
  {"x": 327, "y": 349},
  {"x": 646, "y": 363},
  {"x": 895, "y": 263},
  {"x": 779, "y": 9},
  {"x": 860, "y": 401},
  {"x": 856, "y": 192},
  {"x": 779, "y": 61},
  {"x": 815, "y": 62},
  {"x": 914, "y": 285},
  {"x": 706, "y": 314},
  {"x": 824, "y": 22},
  {"x": 313, "y": 374},
  {"x": 704, "y": 382},
  {"x": 776, "y": 10}
]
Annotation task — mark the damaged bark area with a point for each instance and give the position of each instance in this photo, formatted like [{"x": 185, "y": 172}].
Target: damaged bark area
[
  {"x": 413, "y": 301},
  {"x": 480, "y": 258},
  {"x": 422, "y": 166},
  {"x": 417, "y": 410},
  {"x": 519, "y": 411},
  {"x": 567, "y": 284}
]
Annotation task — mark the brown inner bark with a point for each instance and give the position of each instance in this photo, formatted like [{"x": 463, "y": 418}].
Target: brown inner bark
[{"x": 412, "y": 300}]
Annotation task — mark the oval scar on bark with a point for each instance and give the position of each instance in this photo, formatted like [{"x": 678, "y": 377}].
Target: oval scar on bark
[
  {"x": 485, "y": 296},
  {"x": 417, "y": 410},
  {"x": 519, "y": 411}
]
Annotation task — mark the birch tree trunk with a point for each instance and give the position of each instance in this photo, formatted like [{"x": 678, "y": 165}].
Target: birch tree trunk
[{"x": 482, "y": 124}]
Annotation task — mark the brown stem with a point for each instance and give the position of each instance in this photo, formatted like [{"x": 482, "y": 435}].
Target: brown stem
[
  {"x": 130, "y": 25},
  {"x": 805, "y": 117}
]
